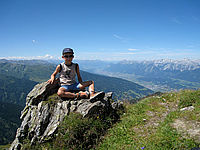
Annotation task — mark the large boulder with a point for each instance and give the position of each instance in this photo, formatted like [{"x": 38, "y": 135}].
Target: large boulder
[{"x": 45, "y": 110}]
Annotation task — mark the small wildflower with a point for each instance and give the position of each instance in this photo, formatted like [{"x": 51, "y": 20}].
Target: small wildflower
[
  {"x": 97, "y": 117},
  {"x": 142, "y": 147}
]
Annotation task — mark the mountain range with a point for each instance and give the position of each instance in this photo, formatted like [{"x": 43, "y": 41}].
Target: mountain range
[
  {"x": 167, "y": 64},
  {"x": 158, "y": 75},
  {"x": 161, "y": 75},
  {"x": 24, "y": 74}
]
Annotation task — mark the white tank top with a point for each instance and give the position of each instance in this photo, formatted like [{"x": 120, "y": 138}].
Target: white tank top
[{"x": 68, "y": 74}]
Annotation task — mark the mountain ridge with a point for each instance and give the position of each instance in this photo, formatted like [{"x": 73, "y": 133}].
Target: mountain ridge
[
  {"x": 158, "y": 75},
  {"x": 168, "y": 64}
]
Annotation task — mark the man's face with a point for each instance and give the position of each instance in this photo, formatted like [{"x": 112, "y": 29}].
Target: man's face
[{"x": 68, "y": 56}]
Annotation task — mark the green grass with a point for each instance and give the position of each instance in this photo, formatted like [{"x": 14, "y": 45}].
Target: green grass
[
  {"x": 4, "y": 147},
  {"x": 188, "y": 98},
  {"x": 148, "y": 124}
]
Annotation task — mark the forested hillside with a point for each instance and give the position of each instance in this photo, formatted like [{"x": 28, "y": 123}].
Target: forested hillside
[
  {"x": 14, "y": 90},
  {"x": 9, "y": 121},
  {"x": 37, "y": 71}
]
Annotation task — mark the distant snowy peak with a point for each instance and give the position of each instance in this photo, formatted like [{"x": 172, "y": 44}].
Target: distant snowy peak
[
  {"x": 167, "y": 64},
  {"x": 182, "y": 62}
]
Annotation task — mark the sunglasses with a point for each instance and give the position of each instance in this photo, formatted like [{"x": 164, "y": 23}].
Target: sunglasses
[{"x": 68, "y": 56}]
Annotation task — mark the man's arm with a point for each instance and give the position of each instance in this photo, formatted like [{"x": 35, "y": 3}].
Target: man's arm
[
  {"x": 54, "y": 75},
  {"x": 78, "y": 74}
]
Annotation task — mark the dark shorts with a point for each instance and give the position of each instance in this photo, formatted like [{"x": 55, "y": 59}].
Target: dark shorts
[{"x": 72, "y": 87}]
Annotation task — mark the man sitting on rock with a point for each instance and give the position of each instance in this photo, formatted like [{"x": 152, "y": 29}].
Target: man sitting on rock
[{"x": 68, "y": 71}]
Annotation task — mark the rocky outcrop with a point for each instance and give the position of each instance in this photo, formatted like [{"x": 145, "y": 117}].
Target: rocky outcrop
[{"x": 45, "y": 110}]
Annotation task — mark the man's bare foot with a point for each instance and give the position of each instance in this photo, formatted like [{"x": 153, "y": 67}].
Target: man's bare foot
[{"x": 84, "y": 94}]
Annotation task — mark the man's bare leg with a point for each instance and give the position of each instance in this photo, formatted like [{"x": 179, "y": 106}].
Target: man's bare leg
[
  {"x": 93, "y": 96},
  {"x": 63, "y": 93},
  {"x": 85, "y": 84},
  {"x": 91, "y": 89}
]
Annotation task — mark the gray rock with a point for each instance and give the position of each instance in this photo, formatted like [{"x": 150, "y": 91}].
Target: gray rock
[
  {"x": 73, "y": 108},
  {"x": 74, "y": 102},
  {"x": 41, "y": 91},
  {"x": 94, "y": 109},
  {"x": 16, "y": 145},
  {"x": 108, "y": 95},
  {"x": 117, "y": 105},
  {"x": 45, "y": 110},
  {"x": 189, "y": 108},
  {"x": 83, "y": 107}
]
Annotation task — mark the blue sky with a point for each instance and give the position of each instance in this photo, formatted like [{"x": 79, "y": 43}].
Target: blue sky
[{"x": 101, "y": 29}]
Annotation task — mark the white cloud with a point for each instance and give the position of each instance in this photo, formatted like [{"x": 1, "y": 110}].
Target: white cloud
[
  {"x": 122, "y": 39},
  {"x": 128, "y": 53},
  {"x": 132, "y": 49},
  {"x": 34, "y": 41},
  {"x": 135, "y": 54},
  {"x": 45, "y": 57},
  {"x": 118, "y": 37}
]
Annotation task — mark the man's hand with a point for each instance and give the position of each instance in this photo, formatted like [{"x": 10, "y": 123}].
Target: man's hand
[{"x": 51, "y": 81}]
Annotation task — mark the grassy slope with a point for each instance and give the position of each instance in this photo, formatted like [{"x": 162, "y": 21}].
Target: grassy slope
[{"x": 150, "y": 124}]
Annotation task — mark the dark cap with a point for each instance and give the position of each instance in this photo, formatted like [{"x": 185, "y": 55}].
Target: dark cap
[{"x": 67, "y": 50}]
